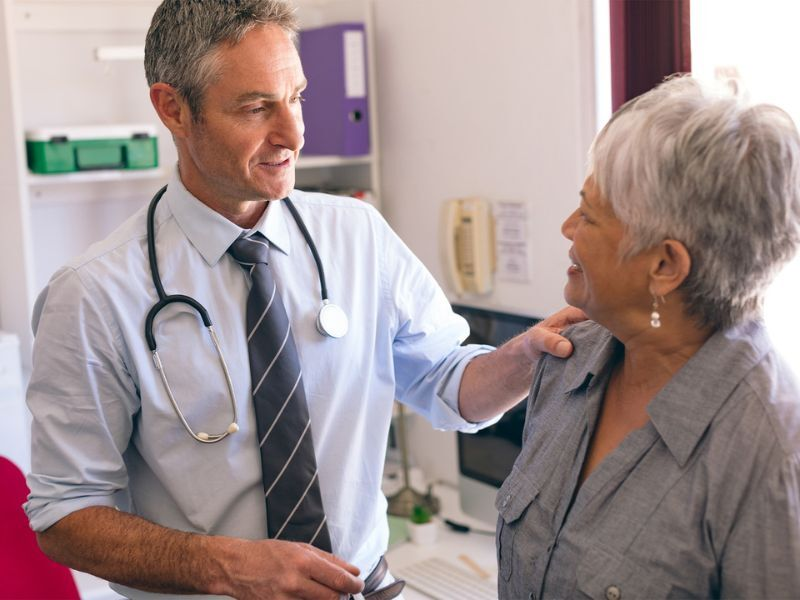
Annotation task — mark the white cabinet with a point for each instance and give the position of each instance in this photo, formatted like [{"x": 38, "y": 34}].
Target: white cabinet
[
  {"x": 14, "y": 423},
  {"x": 50, "y": 76}
]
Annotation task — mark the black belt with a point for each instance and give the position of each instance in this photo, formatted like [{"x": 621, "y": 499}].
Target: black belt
[{"x": 374, "y": 579}]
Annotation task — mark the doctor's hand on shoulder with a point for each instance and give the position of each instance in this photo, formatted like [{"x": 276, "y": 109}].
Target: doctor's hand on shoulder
[
  {"x": 545, "y": 337},
  {"x": 280, "y": 570},
  {"x": 496, "y": 381}
]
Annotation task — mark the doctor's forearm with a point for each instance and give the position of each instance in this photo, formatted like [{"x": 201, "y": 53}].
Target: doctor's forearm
[
  {"x": 494, "y": 382},
  {"x": 132, "y": 551}
]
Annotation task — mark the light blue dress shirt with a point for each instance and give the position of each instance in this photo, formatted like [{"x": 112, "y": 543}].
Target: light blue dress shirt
[{"x": 105, "y": 434}]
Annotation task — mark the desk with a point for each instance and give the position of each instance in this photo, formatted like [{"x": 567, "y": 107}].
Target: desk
[{"x": 450, "y": 545}]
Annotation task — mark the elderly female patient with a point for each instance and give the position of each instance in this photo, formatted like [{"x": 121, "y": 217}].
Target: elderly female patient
[{"x": 663, "y": 458}]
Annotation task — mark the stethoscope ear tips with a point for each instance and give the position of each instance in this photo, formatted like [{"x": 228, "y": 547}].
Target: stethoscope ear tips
[{"x": 331, "y": 320}]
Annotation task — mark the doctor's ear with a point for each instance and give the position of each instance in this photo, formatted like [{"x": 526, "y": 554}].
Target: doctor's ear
[
  {"x": 172, "y": 109},
  {"x": 671, "y": 266}
]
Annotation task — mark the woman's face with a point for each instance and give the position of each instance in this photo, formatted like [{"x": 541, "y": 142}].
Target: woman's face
[{"x": 598, "y": 282}]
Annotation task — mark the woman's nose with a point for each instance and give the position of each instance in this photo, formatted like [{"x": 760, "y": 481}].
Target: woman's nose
[{"x": 568, "y": 226}]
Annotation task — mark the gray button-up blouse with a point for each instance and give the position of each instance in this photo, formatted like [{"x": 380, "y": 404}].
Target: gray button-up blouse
[{"x": 703, "y": 501}]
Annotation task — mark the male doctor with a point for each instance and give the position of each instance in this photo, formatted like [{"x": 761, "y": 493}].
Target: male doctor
[{"x": 121, "y": 486}]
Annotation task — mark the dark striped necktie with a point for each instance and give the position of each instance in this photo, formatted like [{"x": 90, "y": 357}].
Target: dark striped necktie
[{"x": 288, "y": 464}]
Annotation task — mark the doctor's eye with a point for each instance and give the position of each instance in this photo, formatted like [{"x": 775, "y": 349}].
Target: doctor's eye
[{"x": 299, "y": 98}]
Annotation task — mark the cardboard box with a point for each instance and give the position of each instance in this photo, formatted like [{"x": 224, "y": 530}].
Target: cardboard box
[{"x": 70, "y": 149}]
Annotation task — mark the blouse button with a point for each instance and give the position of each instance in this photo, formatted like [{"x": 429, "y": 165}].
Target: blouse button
[{"x": 613, "y": 593}]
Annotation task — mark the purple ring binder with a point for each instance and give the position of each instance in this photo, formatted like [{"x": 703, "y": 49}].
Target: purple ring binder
[{"x": 336, "y": 107}]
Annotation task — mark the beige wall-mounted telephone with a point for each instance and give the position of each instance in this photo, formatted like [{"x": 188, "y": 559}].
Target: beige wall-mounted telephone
[{"x": 468, "y": 236}]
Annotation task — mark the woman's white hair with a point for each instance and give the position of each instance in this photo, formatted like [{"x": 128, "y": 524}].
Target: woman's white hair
[{"x": 701, "y": 165}]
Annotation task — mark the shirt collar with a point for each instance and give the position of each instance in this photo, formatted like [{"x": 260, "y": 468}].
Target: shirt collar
[
  {"x": 682, "y": 411},
  {"x": 211, "y": 233},
  {"x": 273, "y": 225}
]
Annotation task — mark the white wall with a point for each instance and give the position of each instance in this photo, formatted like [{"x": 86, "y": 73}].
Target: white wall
[{"x": 494, "y": 99}]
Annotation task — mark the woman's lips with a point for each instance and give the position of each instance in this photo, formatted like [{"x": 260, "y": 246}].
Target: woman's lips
[{"x": 574, "y": 267}]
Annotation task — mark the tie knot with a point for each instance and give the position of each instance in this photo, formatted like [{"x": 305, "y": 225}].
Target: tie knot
[{"x": 250, "y": 250}]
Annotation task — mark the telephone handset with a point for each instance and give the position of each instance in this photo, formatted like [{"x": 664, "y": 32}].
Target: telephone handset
[{"x": 468, "y": 236}]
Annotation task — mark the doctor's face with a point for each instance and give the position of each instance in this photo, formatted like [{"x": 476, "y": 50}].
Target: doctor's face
[
  {"x": 608, "y": 289},
  {"x": 250, "y": 130}
]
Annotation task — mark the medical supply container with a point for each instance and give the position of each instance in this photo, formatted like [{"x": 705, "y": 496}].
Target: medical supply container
[{"x": 70, "y": 149}]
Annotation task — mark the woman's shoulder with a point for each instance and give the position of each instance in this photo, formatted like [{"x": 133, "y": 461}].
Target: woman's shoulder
[
  {"x": 586, "y": 331},
  {"x": 588, "y": 338},
  {"x": 592, "y": 346},
  {"x": 771, "y": 389}
]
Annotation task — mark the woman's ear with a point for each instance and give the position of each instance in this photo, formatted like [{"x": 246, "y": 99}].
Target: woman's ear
[
  {"x": 172, "y": 109},
  {"x": 671, "y": 266}
]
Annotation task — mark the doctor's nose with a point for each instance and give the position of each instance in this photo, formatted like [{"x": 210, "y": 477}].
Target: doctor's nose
[{"x": 288, "y": 129}]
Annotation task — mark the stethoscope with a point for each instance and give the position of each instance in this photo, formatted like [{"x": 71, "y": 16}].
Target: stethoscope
[{"x": 331, "y": 319}]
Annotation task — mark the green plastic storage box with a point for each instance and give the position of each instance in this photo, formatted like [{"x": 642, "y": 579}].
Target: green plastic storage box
[{"x": 70, "y": 149}]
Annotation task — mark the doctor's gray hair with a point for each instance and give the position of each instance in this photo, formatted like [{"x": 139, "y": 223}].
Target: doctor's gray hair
[
  {"x": 701, "y": 165},
  {"x": 185, "y": 35}
]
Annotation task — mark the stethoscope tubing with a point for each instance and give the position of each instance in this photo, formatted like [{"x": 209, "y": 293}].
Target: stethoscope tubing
[
  {"x": 311, "y": 245},
  {"x": 331, "y": 320}
]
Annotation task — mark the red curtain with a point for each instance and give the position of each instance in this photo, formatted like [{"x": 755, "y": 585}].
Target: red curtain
[{"x": 649, "y": 40}]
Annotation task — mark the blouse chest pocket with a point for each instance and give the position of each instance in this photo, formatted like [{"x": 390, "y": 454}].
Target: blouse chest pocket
[
  {"x": 606, "y": 574},
  {"x": 522, "y": 528}
]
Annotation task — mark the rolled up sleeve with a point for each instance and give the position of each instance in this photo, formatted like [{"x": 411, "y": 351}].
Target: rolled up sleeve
[
  {"x": 82, "y": 401},
  {"x": 429, "y": 359}
]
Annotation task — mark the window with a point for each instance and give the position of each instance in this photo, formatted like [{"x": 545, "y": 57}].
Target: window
[{"x": 759, "y": 42}]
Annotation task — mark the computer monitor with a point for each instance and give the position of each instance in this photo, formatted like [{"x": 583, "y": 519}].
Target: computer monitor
[{"x": 485, "y": 458}]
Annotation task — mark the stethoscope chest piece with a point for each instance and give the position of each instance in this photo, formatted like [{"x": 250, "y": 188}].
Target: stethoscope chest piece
[{"x": 331, "y": 320}]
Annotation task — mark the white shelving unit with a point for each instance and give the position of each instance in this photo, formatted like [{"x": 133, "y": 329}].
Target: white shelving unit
[
  {"x": 337, "y": 172},
  {"x": 51, "y": 76},
  {"x": 59, "y": 179}
]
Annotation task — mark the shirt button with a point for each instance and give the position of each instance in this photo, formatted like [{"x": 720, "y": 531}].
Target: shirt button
[
  {"x": 531, "y": 596},
  {"x": 613, "y": 593}
]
